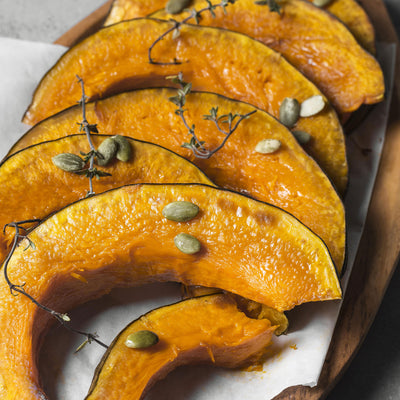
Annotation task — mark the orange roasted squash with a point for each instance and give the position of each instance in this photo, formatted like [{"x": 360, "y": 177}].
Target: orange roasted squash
[
  {"x": 207, "y": 329},
  {"x": 115, "y": 59},
  {"x": 309, "y": 38},
  {"x": 250, "y": 308},
  {"x": 356, "y": 20},
  {"x": 51, "y": 189},
  {"x": 348, "y": 11},
  {"x": 288, "y": 178},
  {"x": 120, "y": 238}
]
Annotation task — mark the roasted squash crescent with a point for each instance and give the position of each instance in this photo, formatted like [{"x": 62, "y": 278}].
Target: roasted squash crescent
[
  {"x": 316, "y": 43},
  {"x": 207, "y": 329},
  {"x": 121, "y": 238},
  {"x": 348, "y": 11}
]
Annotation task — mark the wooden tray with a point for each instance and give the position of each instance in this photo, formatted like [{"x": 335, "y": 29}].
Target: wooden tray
[{"x": 380, "y": 245}]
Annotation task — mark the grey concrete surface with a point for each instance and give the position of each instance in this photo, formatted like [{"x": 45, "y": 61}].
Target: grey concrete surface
[{"x": 375, "y": 372}]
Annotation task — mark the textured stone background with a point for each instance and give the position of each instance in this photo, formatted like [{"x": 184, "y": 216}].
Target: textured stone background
[{"x": 375, "y": 371}]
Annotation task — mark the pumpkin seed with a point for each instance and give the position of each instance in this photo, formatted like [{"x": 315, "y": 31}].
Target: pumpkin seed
[
  {"x": 302, "y": 137},
  {"x": 141, "y": 340},
  {"x": 68, "y": 162},
  {"x": 108, "y": 149},
  {"x": 124, "y": 152},
  {"x": 176, "y": 6},
  {"x": 268, "y": 146},
  {"x": 321, "y": 3},
  {"x": 312, "y": 106},
  {"x": 187, "y": 244},
  {"x": 180, "y": 211},
  {"x": 289, "y": 111}
]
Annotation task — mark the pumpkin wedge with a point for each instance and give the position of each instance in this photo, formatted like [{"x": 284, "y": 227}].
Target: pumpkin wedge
[
  {"x": 348, "y": 11},
  {"x": 312, "y": 40},
  {"x": 207, "y": 329},
  {"x": 250, "y": 308},
  {"x": 51, "y": 189},
  {"x": 288, "y": 178},
  {"x": 120, "y": 238},
  {"x": 116, "y": 59},
  {"x": 356, "y": 20}
]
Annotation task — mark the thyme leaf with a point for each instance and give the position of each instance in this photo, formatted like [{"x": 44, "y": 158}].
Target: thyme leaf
[
  {"x": 226, "y": 123},
  {"x": 196, "y": 15}
]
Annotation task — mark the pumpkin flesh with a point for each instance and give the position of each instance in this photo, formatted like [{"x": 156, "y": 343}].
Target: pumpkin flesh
[
  {"x": 356, "y": 20},
  {"x": 116, "y": 59},
  {"x": 120, "y": 238},
  {"x": 250, "y": 308},
  {"x": 148, "y": 115},
  {"x": 312, "y": 40},
  {"x": 51, "y": 188},
  {"x": 348, "y": 11},
  {"x": 214, "y": 331}
]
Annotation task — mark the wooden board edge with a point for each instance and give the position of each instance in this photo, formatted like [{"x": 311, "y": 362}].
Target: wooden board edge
[{"x": 85, "y": 27}]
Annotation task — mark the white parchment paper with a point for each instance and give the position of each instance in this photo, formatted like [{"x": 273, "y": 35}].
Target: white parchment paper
[{"x": 295, "y": 359}]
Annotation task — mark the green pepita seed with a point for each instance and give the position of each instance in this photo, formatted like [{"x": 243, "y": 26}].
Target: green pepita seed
[
  {"x": 176, "y": 6},
  {"x": 321, "y": 3},
  {"x": 68, "y": 162},
  {"x": 312, "y": 106},
  {"x": 180, "y": 211},
  {"x": 302, "y": 137},
  {"x": 124, "y": 152},
  {"x": 141, "y": 340},
  {"x": 108, "y": 149},
  {"x": 187, "y": 244},
  {"x": 268, "y": 146},
  {"x": 289, "y": 111}
]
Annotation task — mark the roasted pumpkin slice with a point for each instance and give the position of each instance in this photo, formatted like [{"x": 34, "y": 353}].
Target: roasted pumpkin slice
[
  {"x": 250, "y": 308},
  {"x": 122, "y": 10},
  {"x": 51, "y": 189},
  {"x": 315, "y": 43},
  {"x": 288, "y": 178},
  {"x": 121, "y": 238},
  {"x": 356, "y": 20},
  {"x": 207, "y": 329},
  {"x": 116, "y": 58},
  {"x": 348, "y": 11}
]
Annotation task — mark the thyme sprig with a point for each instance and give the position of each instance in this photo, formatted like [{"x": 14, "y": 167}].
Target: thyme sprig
[
  {"x": 90, "y": 172},
  {"x": 195, "y": 144},
  {"x": 17, "y": 289},
  {"x": 83, "y": 164},
  {"x": 196, "y": 15}
]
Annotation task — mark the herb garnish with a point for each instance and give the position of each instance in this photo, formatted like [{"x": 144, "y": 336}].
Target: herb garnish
[
  {"x": 195, "y": 144},
  {"x": 90, "y": 172},
  {"x": 196, "y": 15},
  {"x": 15, "y": 289}
]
